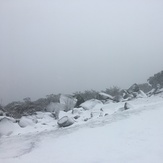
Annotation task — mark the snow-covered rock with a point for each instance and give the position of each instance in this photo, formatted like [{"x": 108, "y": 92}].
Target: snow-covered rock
[
  {"x": 90, "y": 104},
  {"x": 27, "y": 121},
  {"x": 65, "y": 121},
  {"x": 106, "y": 96}
]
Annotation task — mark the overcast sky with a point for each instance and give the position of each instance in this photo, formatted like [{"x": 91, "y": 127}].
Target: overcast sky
[{"x": 63, "y": 46}]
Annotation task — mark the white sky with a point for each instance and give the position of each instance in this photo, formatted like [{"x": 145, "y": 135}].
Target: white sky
[{"x": 60, "y": 46}]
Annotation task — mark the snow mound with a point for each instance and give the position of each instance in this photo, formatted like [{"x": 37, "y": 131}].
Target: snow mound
[{"x": 6, "y": 127}]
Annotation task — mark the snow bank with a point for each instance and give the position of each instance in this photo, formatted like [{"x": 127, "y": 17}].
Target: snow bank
[{"x": 7, "y": 127}]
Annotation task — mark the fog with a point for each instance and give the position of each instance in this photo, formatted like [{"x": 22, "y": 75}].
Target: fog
[{"x": 65, "y": 46}]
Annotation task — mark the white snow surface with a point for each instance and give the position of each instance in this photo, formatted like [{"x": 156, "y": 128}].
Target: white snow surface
[{"x": 109, "y": 136}]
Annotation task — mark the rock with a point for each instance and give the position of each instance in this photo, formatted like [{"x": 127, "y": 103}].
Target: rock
[
  {"x": 65, "y": 121},
  {"x": 27, "y": 121},
  {"x": 86, "y": 119},
  {"x": 76, "y": 117},
  {"x": 127, "y": 106}
]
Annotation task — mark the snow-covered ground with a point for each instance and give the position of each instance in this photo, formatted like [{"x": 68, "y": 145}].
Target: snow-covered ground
[{"x": 113, "y": 135}]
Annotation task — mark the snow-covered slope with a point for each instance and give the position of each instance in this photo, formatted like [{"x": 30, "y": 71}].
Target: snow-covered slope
[{"x": 128, "y": 136}]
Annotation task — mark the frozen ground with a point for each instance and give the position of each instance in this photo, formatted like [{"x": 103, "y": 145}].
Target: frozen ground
[{"x": 132, "y": 136}]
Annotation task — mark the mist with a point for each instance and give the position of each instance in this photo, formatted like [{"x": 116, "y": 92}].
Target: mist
[{"x": 67, "y": 46}]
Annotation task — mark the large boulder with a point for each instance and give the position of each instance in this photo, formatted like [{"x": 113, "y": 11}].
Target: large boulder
[
  {"x": 65, "y": 121},
  {"x": 6, "y": 127}
]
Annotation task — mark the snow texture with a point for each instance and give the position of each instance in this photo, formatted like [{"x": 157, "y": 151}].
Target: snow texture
[{"x": 110, "y": 135}]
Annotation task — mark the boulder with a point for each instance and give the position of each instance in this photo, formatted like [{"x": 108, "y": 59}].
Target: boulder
[{"x": 65, "y": 121}]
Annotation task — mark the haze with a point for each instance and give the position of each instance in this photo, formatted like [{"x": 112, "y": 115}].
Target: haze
[{"x": 65, "y": 46}]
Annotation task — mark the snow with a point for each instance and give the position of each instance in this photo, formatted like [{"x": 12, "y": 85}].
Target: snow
[
  {"x": 123, "y": 136},
  {"x": 7, "y": 127}
]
